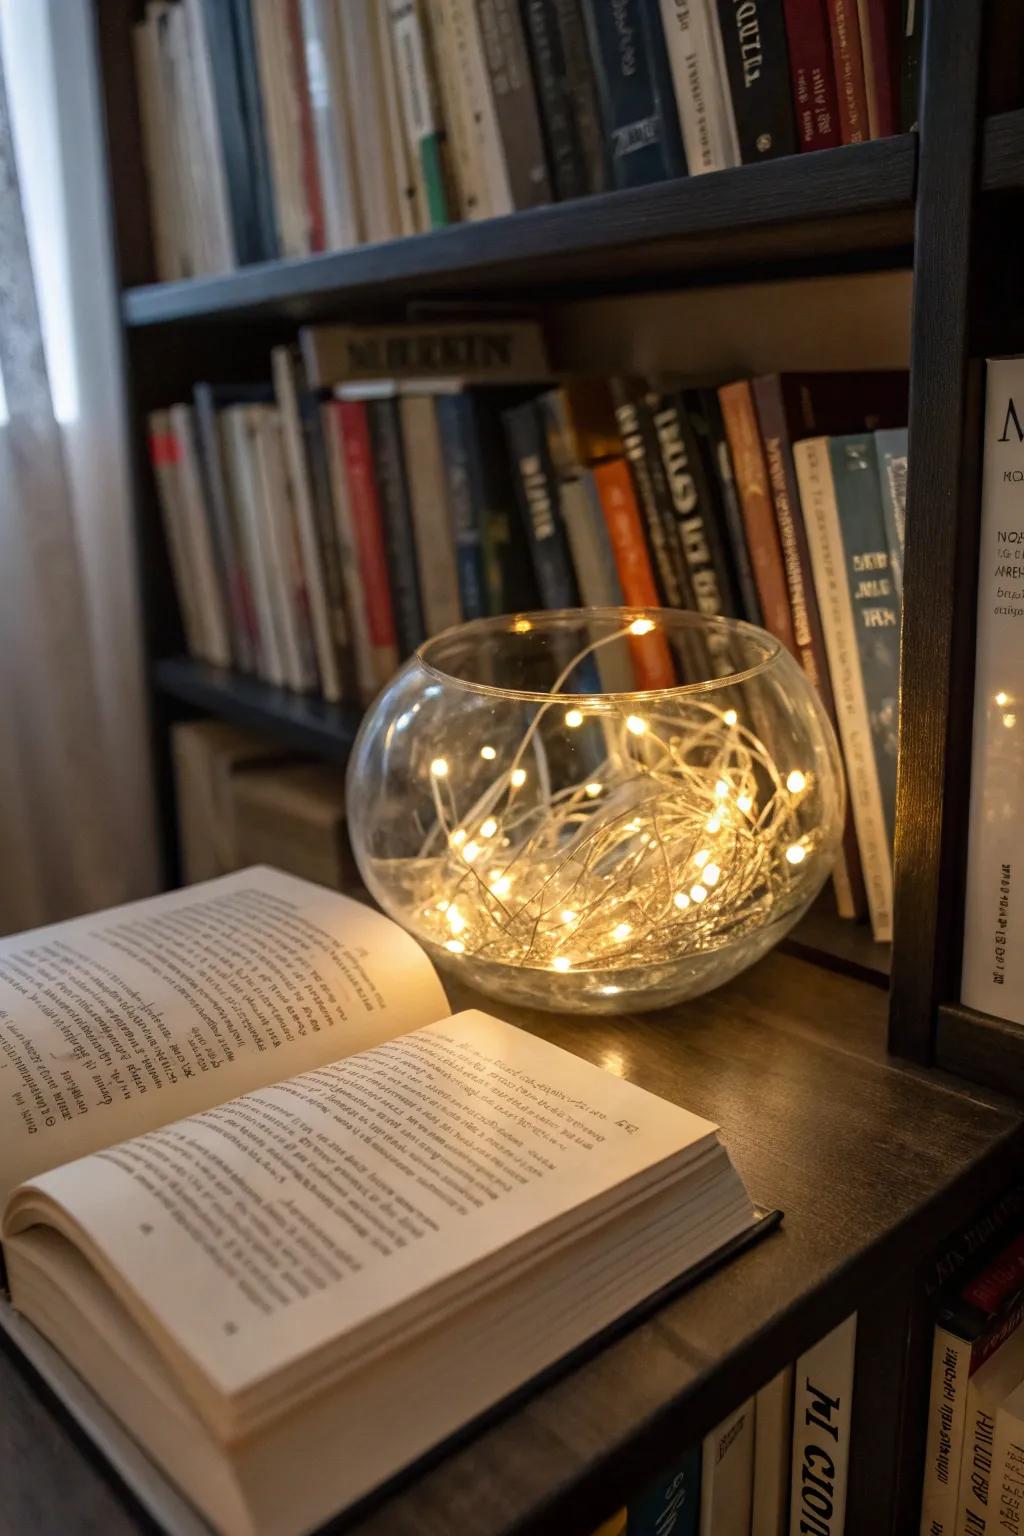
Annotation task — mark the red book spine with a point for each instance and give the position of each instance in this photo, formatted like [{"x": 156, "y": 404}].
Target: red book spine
[
  {"x": 652, "y": 660},
  {"x": 811, "y": 73},
  {"x": 366, "y": 520},
  {"x": 848, "y": 63},
  {"x": 878, "y": 44},
  {"x": 310, "y": 163}
]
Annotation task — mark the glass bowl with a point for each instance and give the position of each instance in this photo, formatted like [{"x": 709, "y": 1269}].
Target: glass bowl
[{"x": 568, "y": 836}]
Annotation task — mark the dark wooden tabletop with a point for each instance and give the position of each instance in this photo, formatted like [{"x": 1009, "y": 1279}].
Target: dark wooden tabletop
[{"x": 872, "y": 1162}]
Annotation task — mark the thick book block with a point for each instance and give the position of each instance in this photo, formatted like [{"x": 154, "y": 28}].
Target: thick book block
[{"x": 757, "y": 62}]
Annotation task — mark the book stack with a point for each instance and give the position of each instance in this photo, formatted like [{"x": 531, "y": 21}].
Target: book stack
[
  {"x": 280, "y": 128},
  {"x": 393, "y": 481}
]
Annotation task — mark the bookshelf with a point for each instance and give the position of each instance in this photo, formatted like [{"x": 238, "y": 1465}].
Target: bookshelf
[{"x": 821, "y": 1068}]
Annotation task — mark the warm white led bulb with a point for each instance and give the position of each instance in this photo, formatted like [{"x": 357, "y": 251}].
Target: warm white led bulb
[
  {"x": 621, "y": 931},
  {"x": 1009, "y": 720},
  {"x": 573, "y": 718},
  {"x": 796, "y": 781},
  {"x": 471, "y": 852},
  {"x": 700, "y": 858},
  {"x": 635, "y": 725},
  {"x": 517, "y": 778},
  {"x": 641, "y": 626},
  {"x": 681, "y": 900},
  {"x": 730, "y": 717},
  {"x": 796, "y": 853},
  {"x": 712, "y": 874},
  {"x": 721, "y": 789},
  {"x": 455, "y": 947},
  {"x": 488, "y": 753},
  {"x": 745, "y": 804},
  {"x": 698, "y": 892},
  {"x": 457, "y": 838},
  {"x": 561, "y": 963},
  {"x": 713, "y": 824},
  {"x": 439, "y": 767},
  {"x": 1002, "y": 698},
  {"x": 488, "y": 827},
  {"x": 568, "y": 915},
  {"x": 501, "y": 885},
  {"x": 593, "y": 790}
]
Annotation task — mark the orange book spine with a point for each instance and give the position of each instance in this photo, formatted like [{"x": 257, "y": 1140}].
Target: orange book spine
[
  {"x": 652, "y": 659},
  {"x": 755, "y": 494}
]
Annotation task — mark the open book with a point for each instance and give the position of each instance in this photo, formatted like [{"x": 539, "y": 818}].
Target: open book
[{"x": 290, "y": 1223}]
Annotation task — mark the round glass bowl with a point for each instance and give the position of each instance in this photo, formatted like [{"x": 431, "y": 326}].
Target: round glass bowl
[{"x": 523, "y": 801}]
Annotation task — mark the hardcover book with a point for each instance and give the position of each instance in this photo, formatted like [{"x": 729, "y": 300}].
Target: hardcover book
[
  {"x": 567, "y": 162},
  {"x": 652, "y": 660},
  {"x": 822, "y": 1405},
  {"x": 515, "y": 102},
  {"x": 265, "y": 1218},
  {"x": 993, "y": 963},
  {"x": 702, "y": 94},
  {"x": 581, "y": 84},
  {"x": 456, "y": 428},
  {"x": 891, "y": 448},
  {"x": 537, "y": 489},
  {"x": 727, "y": 1475},
  {"x": 704, "y": 413},
  {"x": 641, "y": 447},
  {"x": 757, "y": 61},
  {"x": 812, "y": 74},
  {"x": 475, "y": 351},
  {"x": 389, "y": 464},
  {"x": 848, "y": 63},
  {"x": 634, "y": 91},
  {"x": 432, "y": 525},
  {"x": 421, "y": 112}
]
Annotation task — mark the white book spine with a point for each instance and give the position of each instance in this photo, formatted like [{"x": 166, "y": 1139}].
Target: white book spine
[
  {"x": 210, "y": 595},
  {"x": 324, "y": 76},
  {"x": 947, "y": 1411},
  {"x": 378, "y": 183},
  {"x": 480, "y": 101},
  {"x": 215, "y": 183},
  {"x": 987, "y": 1387},
  {"x": 699, "y": 87},
  {"x": 822, "y": 1402},
  {"x": 409, "y": 44},
  {"x": 773, "y": 1424},
  {"x": 727, "y": 1475},
  {"x": 174, "y": 62},
  {"x": 283, "y": 125},
  {"x": 993, "y": 962},
  {"x": 824, "y": 539},
  {"x": 431, "y": 523},
  {"x": 155, "y": 150},
  {"x": 466, "y": 162},
  {"x": 239, "y": 426},
  {"x": 305, "y": 518},
  {"x": 285, "y": 569},
  {"x": 1006, "y": 1489},
  {"x": 410, "y": 202}
]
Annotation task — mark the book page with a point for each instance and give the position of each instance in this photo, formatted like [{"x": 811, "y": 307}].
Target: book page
[
  {"x": 265, "y": 1229},
  {"x": 125, "y": 1020}
]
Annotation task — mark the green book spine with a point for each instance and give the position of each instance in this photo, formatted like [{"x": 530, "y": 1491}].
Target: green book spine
[{"x": 421, "y": 116}]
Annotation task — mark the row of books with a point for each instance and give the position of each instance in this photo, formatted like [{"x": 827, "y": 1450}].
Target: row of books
[
  {"x": 776, "y": 1466},
  {"x": 323, "y": 525},
  {"x": 284, "y": 127}
]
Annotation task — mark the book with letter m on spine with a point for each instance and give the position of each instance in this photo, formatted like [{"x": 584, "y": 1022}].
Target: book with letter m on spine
[{"x": 272, "y": 1203}]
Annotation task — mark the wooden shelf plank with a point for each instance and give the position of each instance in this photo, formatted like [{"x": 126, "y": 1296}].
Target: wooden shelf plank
[
  {"x": 872, "y": 1161},
  {"x": 981, "y": 1047},
  {"x": 827, "y": 939},
  {"x": 298, "y": 722},
  {"x": 856, "y": 198}
]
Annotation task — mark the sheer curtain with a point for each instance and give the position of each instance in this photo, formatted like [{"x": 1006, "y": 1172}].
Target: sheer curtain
[{"x": 76, "y": 813}]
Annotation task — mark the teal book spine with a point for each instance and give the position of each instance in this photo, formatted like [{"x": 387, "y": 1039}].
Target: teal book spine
[
  {"x": 873, "y": 595},
  {"x": 891, "y": 448},
  {"x": 670, "y": 1503}
]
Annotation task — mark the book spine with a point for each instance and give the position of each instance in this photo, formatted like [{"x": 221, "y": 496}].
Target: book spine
[
  {"x": 944, "y": 1437},
  {"x": 302, "y": 500},
  {"x": 515, "y": 102},
  {"x": 276, "y": 514},
  {"x": 386, "y": 441},
  {"x": 710, "y": 577},
  {"x": 240, "y": 434},
  {"x": 367, "y": 103},
  {"x": 699, "y": 86},
  {"x": 910, "y": 63},
  {"x": 822, "y": 1400},
  {"x": 215, "y": 194},
  {"x": 164, "y": 456},
  {"x": 581, "y": 84},
  {"x": 202, "y": 560},
  {"x": 156, "y": 161},
  {"x": 509, "y": 580},
  {"x": 405, "y": 168},
  {"x": 492, "y": 352},
  {"x": 363, "y": 659},
  {"x": 848, "y": 67},
  {"x": 807, "y": 630},
  {"x": 891, "y": 448},
  {"x": 565, "y": 158},
  {"x": 454, "y": 421},
  {"x": 651, "y": 658},
  {"x": 317, "y": 457},
  {"x": 879, "y": 66},
  {"x": 537, "y": 490},
  {"x": 824, "y": 539},
  {"x": 469, "y": 137},
  {"x": 875, "y": 606},
  {"x": 705, "y": 416},
  {"x": 1006, "y": 1483},
  {"x": 754, "y": 491},
  {"x": 812, "y": 74},
  {"x": 216, "y": 24},
  {"x": 757, "y": 63},
  {"x": 640, "y": 444},
  {"x": 432, "y": 526},
  {"x": 317, "y": 227},
  {"x": 418, "y": 91},
  {"x": 225, "y": 534},
  {"x": 251, "y": 93},
  {"x": 773, "y": 1419},
  {"x": 369, "y": 533},
  {"x": 641, "y": 136},
  {"x": 322, "y": 45},
  {"x": 993, "y": 976},
  {"x": 283, "y": 127},
  {"x": 727, "y": 1475},
  {"x": 592, "y": 557},
  {"x": 669, "y": 1505},
  {"x": 664, "y": 91}
]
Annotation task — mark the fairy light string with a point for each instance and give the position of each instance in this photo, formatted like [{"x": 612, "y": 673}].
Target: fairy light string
[{"x": 685, "y": 836}]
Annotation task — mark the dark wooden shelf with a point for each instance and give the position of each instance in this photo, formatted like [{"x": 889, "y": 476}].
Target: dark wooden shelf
[
  {"x": 981, "y": 1047},
  {"x": 1002, "y": 152},
  {"x": 873, "y": 1163},
  {"x": 298, "y": 722},
  {"x": 838, "y": 201},
  {"x": 827, "y": 939}
]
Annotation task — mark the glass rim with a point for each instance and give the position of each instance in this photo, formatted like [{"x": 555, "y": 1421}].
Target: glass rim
[{"x": 561, "y": 618}]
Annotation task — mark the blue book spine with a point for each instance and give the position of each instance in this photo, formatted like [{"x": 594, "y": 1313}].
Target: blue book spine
[
  {"x": 876, "y": 607},
  {"x": 455, "y": 424},
  {"x": 251, "y": 107},
  {"x": 537, "y": 490},
  {"x": 389, "y": 464},
  {"x": 891, "y": 448},
  {"x": 640, "y": 121},
  {"x": 670, "y": 1503}
]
